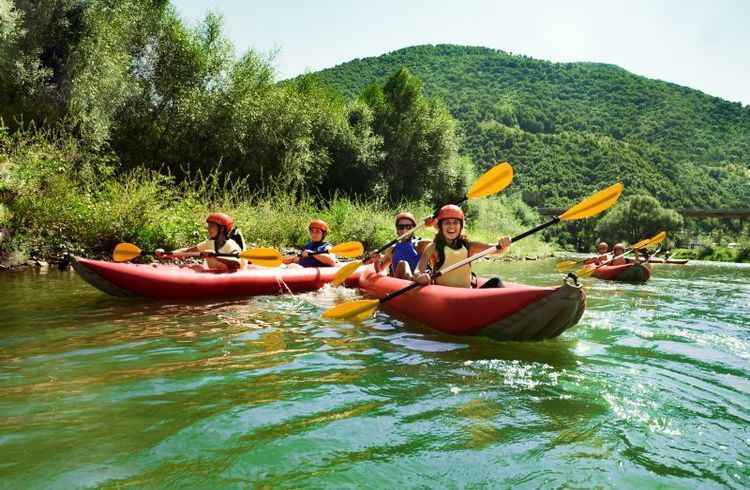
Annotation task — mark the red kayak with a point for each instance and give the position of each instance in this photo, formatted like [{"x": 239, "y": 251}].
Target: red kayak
[
  {"x": 513, "y": 312},
  {"x": 159, "y": 281},
  {"x": 630, "y": 272}
]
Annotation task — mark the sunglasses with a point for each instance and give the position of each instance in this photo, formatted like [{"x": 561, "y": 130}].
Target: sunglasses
[{"x": 404, "y": 227}]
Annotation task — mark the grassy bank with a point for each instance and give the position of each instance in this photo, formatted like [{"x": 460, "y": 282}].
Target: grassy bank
[
  {"x": 715, "y": 253},
  {"x": 56, "y": 196}
]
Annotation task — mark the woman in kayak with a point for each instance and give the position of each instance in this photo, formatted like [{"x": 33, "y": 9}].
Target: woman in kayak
[
  {"x": 402, "y": 259},
  {"x": 318, "y": 230},
  {"x": 219, "y": 226},
  {"x": 451, "y": 246}
]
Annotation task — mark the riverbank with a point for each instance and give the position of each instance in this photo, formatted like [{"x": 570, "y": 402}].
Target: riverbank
[
  {"x": 739, "y": 254},
  {"x": 58, "y": 198}
]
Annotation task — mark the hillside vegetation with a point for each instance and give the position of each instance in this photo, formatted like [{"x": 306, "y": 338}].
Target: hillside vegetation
[{"x": 569, "y": 127}]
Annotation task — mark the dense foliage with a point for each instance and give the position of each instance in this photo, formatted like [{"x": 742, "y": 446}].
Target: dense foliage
[
  {"x": 569, "y": 128},
  {"x": 129, "y": 75},
  {"x": 58, "y": 195},
  {"x": 139, "y": 103},
  {"x": 637, "y": 217}
]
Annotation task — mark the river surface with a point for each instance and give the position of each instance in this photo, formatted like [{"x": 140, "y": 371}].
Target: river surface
[{"x": 651, "y": 389}]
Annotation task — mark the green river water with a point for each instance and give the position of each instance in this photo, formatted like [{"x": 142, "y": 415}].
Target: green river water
[{"x": 651, "y": 389}]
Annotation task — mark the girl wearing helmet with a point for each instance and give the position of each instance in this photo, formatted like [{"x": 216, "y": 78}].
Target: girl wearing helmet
[
  {"x": 318, "y": 230},
  {"x": 402, "y": 258},
  {"x": 219, "y": 226},
  {"x": 451, "y": 246},
  {"x": 618, "y": 252},
  {"x": 602, "y": 251}
]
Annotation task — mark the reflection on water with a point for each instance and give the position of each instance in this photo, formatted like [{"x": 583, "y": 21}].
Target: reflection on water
[{"x": 650, "y": 389}]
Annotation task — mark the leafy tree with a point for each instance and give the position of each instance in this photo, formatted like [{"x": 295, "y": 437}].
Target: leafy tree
[
  {"x": 569, "y": 128},
  {"x": 419, "y": 140},
  {"x": 636, "y": 218}
]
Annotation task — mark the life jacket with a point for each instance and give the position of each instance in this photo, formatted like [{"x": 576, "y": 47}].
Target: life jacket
[
  {"x": 235, "y": 235},
  {"x": 314, "y": 247},
  {"x": 406, "y": 251},
  {"x": 447, "y": 256}
]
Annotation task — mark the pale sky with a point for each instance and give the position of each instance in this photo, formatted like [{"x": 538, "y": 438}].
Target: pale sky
[{"x": 703, "y": 44}]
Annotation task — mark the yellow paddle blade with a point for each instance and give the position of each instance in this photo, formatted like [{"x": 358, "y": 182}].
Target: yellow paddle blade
[
  {"x": 658, "y": 238},
  {"x": 585, "y": 271},
  {"x": 357, "y": 310},
  {"x": 348, "y": 249},
  {"x": 344, "y": 273},
  {"x": 654, "y": 240},
  {"x": 566, "y": 265},
  {"x": 125, "y": 251},
  {"x": 595, "y": 204},
  {"x": 642, "y": 244},
  {"x": 263, "y": 256},
  {"x": 492, "y": 181}
]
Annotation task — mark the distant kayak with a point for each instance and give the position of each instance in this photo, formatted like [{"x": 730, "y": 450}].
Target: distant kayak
[
  {"x": 160, "y": 281},
  {"x": 630, "y": 272},
  {"x": 668, "y": 261},
  {"x": 513, "y": 312}
]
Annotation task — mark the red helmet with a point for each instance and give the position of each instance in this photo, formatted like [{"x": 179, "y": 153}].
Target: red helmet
[
  {"x": 450, "y": 211},
  {"x": 408, "y": 216},
  {"x": 221, "y": 219},
  {"x": 319, "y": 224}
]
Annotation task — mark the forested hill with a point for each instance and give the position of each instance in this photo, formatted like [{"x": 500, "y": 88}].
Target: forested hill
[{"x": 568, "y": 127}]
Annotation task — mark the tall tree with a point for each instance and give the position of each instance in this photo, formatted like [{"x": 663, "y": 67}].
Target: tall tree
[{"x": 419, "y": 139}]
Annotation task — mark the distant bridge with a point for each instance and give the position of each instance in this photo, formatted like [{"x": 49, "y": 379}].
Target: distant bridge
[{"x": 689, "y": 212}]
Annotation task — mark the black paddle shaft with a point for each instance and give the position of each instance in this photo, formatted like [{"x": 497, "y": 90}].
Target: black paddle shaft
[{"x": 526, "y": 233}]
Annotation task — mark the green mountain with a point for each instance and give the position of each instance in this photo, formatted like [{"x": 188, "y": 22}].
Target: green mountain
[{"x": 570, "y": 128}]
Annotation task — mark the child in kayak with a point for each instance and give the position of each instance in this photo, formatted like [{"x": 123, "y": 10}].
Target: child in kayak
[
  {"x": 602, "y": 251},
  {"x": 220, "y": 226},
  {"x": 402, "y": 259},
  {"x": 318, "y": 230},
  {"x": 618, "y": 250},
  {"x": 451, "y": 246}
]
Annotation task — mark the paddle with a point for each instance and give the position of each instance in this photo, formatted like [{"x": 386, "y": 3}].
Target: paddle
[
  {"x": 591, "y": 206},
  {"x": 491, "y": 182},
  {"x": 346, "y": 249},
  {"x": 263, "y": 256},
  {"x": 654, "y": 240},
  {"x": 266, "y": 257}
]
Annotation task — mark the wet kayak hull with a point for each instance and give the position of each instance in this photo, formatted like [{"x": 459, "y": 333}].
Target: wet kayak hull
[
  {"x": 630, "y": 272},
  {"x": 179, "y": 283},
  {"x": 514, "y": 312}
]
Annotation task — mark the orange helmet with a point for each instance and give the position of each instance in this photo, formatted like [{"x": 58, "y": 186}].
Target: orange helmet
[
  {"x": 450, "y": 211},
  {"x": 221, "y": 219},
  {"x": 319, "y": 224},
  {"x": 408, "y": 216}
]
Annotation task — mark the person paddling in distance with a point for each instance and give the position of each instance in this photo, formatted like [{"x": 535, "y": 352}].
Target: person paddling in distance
[
  {"x": 602, "y": 252},
  {"x": 318, "y": 230},
  {"x": 451, "y": 246},
  {"x": 618, "y": 252},
  {"x": 219, "y": 226},
  {"x": 401, "y": 259}
]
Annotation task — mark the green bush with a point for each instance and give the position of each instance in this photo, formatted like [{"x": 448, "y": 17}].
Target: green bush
[{"x": 59, "y": 197}]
